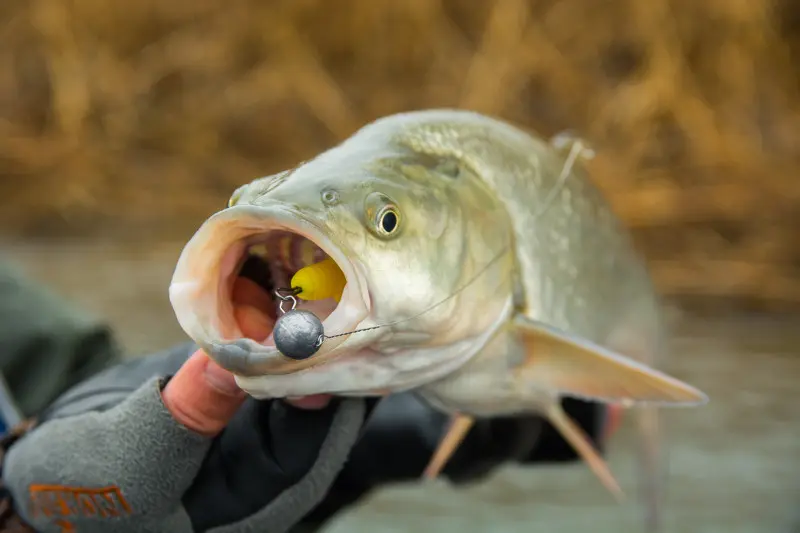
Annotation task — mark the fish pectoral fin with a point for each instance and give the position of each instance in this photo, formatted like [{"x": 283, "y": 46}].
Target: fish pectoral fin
[
  {"x": 576, "y": 438},
  {"x": 459, "y": 427},
  {"x": 574, "y": 367}
]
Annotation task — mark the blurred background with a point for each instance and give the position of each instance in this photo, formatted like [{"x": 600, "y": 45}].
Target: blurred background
[{"x": 123, "y": 124}]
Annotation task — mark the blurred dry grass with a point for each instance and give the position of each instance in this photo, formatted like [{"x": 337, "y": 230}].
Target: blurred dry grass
[{"x": 120, "y": 118}]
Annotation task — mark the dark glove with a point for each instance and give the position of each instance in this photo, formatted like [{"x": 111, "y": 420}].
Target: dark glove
[
  {"x": 270, "y": 445},
  {"x": 260, "y": 461},
  {"x": 403, "y": 432}
]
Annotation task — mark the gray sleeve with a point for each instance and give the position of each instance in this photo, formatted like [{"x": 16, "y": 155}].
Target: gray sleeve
[{"x": 122, "y": 470}]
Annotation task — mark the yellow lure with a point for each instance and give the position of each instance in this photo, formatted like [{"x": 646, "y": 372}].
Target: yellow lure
[{"x": 320, "y": 281}]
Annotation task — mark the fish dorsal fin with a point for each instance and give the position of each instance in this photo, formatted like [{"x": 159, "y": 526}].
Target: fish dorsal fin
[{"x": 570, "y": 366}]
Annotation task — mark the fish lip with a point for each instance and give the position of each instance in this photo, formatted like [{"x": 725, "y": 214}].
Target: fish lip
[{"x": 243, "y": 356}]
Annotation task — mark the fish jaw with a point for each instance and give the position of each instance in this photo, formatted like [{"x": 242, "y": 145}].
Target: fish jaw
[
  {"x": 365, "y": 371},
  {"x": 202, "y": 282}
]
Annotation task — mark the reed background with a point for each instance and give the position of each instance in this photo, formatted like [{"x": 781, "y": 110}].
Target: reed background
[{"x": 132, "y": 121}]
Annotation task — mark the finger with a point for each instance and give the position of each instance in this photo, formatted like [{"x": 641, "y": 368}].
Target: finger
[
  {"x": 202, "y": 395},
  {"x": 253, "y": 323},
  {"x": 251, "y": 303},
  {"x": 248, "y": 292}
]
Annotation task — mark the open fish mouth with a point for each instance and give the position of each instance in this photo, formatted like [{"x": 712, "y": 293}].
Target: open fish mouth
[{"x": 264, "y": 246}]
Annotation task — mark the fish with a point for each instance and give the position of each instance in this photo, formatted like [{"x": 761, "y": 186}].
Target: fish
[{"x": 481, "y": 269}]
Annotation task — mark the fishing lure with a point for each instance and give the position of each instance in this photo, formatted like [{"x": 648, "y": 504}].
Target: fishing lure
[
  {"x": 320, "y": 281},
  {"x": 299, "y": 333}
]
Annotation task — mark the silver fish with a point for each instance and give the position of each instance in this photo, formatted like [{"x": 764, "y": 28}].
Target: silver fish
[{"x": 483, "y": 270}]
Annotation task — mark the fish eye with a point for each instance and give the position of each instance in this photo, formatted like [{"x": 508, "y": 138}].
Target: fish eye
[
  {"x": 382, "y": 215},
  {"x": 388, "y": 220}
]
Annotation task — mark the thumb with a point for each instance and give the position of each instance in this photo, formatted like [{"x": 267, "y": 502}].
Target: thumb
[{"x": 202, "y": 395}]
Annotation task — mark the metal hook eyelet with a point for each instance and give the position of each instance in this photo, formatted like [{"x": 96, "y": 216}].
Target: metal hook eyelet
[{"x": 289, "y": 296}]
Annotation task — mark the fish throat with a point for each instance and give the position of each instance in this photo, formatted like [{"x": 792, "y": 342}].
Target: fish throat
[{"x": 277, "y": 260}]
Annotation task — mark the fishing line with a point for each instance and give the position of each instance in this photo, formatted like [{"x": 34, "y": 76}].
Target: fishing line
[
  {"x": 577, "y": 148},
  {"x": 298, "y": 333}
]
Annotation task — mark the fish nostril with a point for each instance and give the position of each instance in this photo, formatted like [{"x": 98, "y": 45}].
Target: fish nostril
[{"x": 330, "y": 197}]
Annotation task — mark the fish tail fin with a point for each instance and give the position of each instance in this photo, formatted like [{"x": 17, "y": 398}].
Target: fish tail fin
[
  {"x": 576, "y": 438},
  {"x": 459, "y": 427}
]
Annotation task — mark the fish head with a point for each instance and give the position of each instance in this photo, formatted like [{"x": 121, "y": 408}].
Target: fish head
[{"x": 422, "y": 245}]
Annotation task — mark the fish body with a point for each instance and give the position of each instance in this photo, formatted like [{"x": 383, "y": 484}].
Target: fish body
[
  {"x": 574, "y": 265},
  {"x": 483, "y": 270}
]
